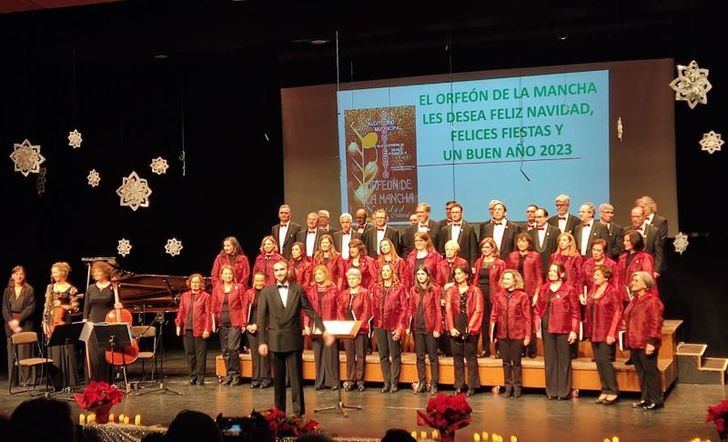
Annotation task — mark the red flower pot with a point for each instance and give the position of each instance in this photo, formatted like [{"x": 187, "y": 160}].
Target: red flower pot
[{"x": 102, "y": 413}]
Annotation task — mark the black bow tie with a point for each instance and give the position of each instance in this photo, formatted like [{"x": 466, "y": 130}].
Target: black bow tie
[
  {"x": 497, "y": 223},
  {"x": 540, "y": 228},
  {"x": 456, "y": 225},
  {"x": 562, "y": 217},
  {"x": 311, "y": 233},
  {"x": 380, "y": 230},
  {"x": 284, "y": 286}
]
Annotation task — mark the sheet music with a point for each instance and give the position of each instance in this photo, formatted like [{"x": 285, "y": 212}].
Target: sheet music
[
  {"x": 88, "y": 328},
  {"x": 620, "y": 338}
]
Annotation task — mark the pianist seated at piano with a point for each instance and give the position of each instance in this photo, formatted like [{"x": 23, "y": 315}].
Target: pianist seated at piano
[
  {"x": 229, "y": 311},
  {"x": 98, "y": 301}
]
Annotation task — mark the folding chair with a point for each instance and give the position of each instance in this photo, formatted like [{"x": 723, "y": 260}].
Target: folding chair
[
  {"x": 26, "y": 338},
  {"x": 146, "y": 332}
]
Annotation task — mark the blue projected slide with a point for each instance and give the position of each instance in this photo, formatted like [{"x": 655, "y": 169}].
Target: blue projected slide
[{"x": 522, "y": 140}]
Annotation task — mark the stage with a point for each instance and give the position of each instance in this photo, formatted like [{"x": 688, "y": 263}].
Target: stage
[{"x": 531, "y": 418}]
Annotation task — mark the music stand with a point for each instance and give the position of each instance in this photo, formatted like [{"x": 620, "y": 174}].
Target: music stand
[
  {"x": 64, "y": 335},
  {"x": 340, "y": 330},
  {"x": 116, "y": 336}
]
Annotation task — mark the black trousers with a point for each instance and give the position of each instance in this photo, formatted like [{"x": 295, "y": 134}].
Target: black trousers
[
  {"x": 261, "y": 364},
  {"x": 510, "y": 350},
  {"x": 356, "y": 353},
  {"x": 326, "y": 361},
  {"x": 487, "y": 306},
  {"x": 389, "y": 347},
  {"x": 557, "y": 359},
  {"x": 467, "y": 349},
  {"x": 230, "y": 346},
  {"x": 426, "y": 344},
  {"x": 649, "y": 375},
  {"x": 288, "y": 365},
  {"x": 195, "y": 354},
  {"x": 604, "y": 355}
]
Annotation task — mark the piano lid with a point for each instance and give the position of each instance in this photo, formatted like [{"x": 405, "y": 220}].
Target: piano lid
[{"x": 143, "y": 291}]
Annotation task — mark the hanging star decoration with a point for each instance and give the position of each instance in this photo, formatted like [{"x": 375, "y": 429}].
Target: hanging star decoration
[
  {"x": 124, "y": 247},
  {"x": 94, "y": 178},
  {"x": 74, "y": 139},
  {"x": 680, "y": 243},
  {"x": 134, "y": 192},
  {"x": 41, "y": 181},
  {"x": 691, "y": 84},
  {"x": 620, "y": 128},
  {"x": 27, "y": 157},
  {"x": 173, "y": 247},
  {"x": 711, "y": 142},
  {"x": 159, "y": 166}
]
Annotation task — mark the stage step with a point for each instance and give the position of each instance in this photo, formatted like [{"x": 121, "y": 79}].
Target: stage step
[{"x": 695, "y": 368}]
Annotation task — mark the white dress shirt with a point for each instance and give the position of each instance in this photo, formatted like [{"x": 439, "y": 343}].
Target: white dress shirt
[
  {"x": 380, "y": 236},
  {"x": 562, "y": 223},
  {"x": 456, "y": 230},
  {"x": 310, "y": 242},
  {"x": 499, "y": 228},
  {"x": 585, "y": 233},
  {"x": 541, "y": 230},
  {"x": 282, "y": 233},
  {"x": 283, "y": 292},
  {"x": 345, "y": 240}
]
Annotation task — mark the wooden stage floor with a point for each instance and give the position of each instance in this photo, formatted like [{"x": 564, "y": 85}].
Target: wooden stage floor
[{"x": 531, "y": 418}]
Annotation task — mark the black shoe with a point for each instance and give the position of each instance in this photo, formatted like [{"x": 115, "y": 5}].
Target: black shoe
[
  {"x": 394, "y": 389},
  {"x": 200, "y": 381},
  {"x": 385, "y": 388},
  {"x": 639, "y": 404},
  {"x": 255, "y": 385},
  {"x": 192, "y": 381},
  {"x": 551, "y": 398},
  {"x": 610, "y": 402},
  {"x": 265, "y": 384},
  {"x": 227, "y": 380},
  {"x": 421, "y": 387},
  {"x": 508, "y": 392},
  {"x": 470, "y": 392},
  {"x": 531, "y": 355},
  {"x": 652, "y": 406},
  {"x": 361, "y": 387},
  {"x": 517, "y": 392},
  {"x": 236, "y": 380}
]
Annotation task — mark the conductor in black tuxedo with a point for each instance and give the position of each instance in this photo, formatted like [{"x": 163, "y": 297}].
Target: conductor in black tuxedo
[
  {"x": 545, "y": 238},
  {"x": 285, "y": 231},
  {"x": 462, "y": 232},
  {"x": 373, "y": 236},
  {"x": 424, "y": 224},
  {"x": 563, "y": 220},
  {"x": 503, "y": 231},
  {"x": 279, "y": 325},
  {"x": 588, "y": 230}
]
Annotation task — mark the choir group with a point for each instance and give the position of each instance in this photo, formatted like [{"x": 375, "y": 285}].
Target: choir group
[{"x": 442, "y": 287}]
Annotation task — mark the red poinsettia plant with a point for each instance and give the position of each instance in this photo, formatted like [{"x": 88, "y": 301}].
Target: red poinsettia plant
[
  {"x": 99, "y": 397},
  {"x": 718, "y": 414},
  {"x": 288, "y": 426},
  {"x": 446, "y": 413}
]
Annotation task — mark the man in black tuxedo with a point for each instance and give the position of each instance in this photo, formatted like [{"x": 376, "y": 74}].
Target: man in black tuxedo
[
  {"x": 563, "y": 220},
  {"x": 311, "y": 235},
  {"x": 545, "y": 238},
  {"x": 615, "y": 245},
  {"x": 424, "y": 224},
  {"x": 649, "y": 206},
  {"x": 373, "y": 236},
  {"x": 362, "y": 221},
  {"x": 653, "y": 244},
  {"x": 448, "y": 219},
  {"x": 462, "y": 232},
  {"x": 279, "y": 319},
  {"x": 530, "y": 218},
  {"x": 588, "y": 230},
  {"x": 343, "y": 237},
  {"x": 502, "y": 231},
  {"x": 324, "y": 217},
  {"x": 285, "y": 232}
]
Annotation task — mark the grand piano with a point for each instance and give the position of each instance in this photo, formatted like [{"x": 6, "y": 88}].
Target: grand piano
[{"x": 143, "y": 293}]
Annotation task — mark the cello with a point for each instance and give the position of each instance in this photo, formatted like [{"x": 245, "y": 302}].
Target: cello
[{"x": 127, "y": 355}]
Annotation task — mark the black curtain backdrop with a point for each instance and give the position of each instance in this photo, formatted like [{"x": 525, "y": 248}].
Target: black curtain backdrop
[{"x": 93, "y": 69}]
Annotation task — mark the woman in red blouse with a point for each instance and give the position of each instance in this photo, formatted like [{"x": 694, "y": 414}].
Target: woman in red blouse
[
  {"x": 446, "y": 267},
  {"x": 355, "y": 305},
  {"x": 388, "y": 255},
  {"x": 557, "y": 319},
  {"x": 568, "y": 255},
  {"x": 425, "y": 322},
  {"x": 328, "y": 256},
  {"x": 232, "y": 255},
  {"x": 193, "y": 324},
  {"x": 643, "y": 335},
  {"x": 299, "y": 268},
  {"x": 634, "y": 259},
  {"x": 603, "y": 314},
  {"x": 529, "y": 265},
  {"x": 323, "y": 296},
  {"x": 488, "y": 270},
  {"x": 229, "y": 311},
  {"x": 389, "y": 310},
  {"x": 425, "y": 254},
  {"x": 510, "y": 327},
  {"x": 358, "y": 259},
  {"x": 599, "y": 257},
  {"x": 267, "y": 257},
  {"x": 464, "y": 319}
]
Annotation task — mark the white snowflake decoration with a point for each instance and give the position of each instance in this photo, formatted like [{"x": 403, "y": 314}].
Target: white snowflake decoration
[
  {"x": 711, "y": 142},
  {"x": 124, "y": 247},
  {"x": 691, "y": 84},
  {"x": 75, "y": 139},
  {"x": 41, "y": 181},
  {"x": 134, "y": 192},
  {"x": 680, "y": 243},
  {"x": 27, "y": 158},
  {"x": 173, "y": 247},
  {"x": 620, "y": 128},
  {"x": 159, "y": 166},
  {"x": 94, "y": 178}
]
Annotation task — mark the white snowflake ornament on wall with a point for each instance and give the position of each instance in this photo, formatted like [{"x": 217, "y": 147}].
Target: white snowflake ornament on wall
[
  {"x": 711, "y": 142},
  {"x": 75, "y": 139},
  {"x": 173, "y": 247},
  {"x": 124, "y": 247},
  {"x": 159, "y": 166},
  {"x": 27, "y": 157},
  {"x": 691, "y": 84},
  {"x": 680, "y": 243},
  {"x": 94, "y": 178},
  {"x": 620, "y": 128},
  {"x": 134, "y": 192}
]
